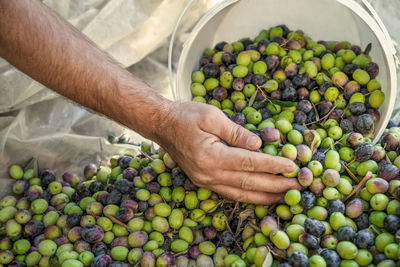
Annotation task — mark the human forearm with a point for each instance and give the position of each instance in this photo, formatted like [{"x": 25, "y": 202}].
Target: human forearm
[{"x": 47, "y": 48}]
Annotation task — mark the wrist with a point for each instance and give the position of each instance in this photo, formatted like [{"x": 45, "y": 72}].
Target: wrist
[
  {"x": 147, "y": 112},
  {"x": 161, "y": 125}
]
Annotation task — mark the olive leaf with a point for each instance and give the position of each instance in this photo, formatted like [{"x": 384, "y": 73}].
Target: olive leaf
[
  {"x": 252, "y": 98},
  {"x": 368, "y": 49},
  {"x": 268, "y": 85},
  {"x": 268, "y": 260},
  {"x": 286, "y": 104},
  {"x": 326, "y": 78}
]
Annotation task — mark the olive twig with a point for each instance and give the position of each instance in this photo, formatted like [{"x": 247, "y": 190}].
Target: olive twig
[
  {"x": 236, "y": 239},
  {"x": 115, "y": 220},
  {"x": 337, "y": 142},
  {"x": 373, "y": 229},
  {"x": 287, "y": 41},
  {"x": 282, "y": 137},
  {"x": 388, "y": 161},
  {"x": 180, "y": 253},
  {"x": 271, "y": 208},
  {"x": 359, "y": 186},
  {"x": 220, "y": 203},
  {"x": 146, "y": 155},
  {"x": 351, "y": 162},
  {"x": 325, "y": 118},
  {"x": 255, "y": 227},
  {"x": 350, "y": 173}
]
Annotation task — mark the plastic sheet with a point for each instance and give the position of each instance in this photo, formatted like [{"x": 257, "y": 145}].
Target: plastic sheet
[{"x": 36, "y": 122}]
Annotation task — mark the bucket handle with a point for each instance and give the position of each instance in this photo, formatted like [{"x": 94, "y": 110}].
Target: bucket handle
[{"x": 385, "y": 32}]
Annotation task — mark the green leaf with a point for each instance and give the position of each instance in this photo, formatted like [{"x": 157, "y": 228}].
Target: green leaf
[
  {"x": 252, "y": 98},
  {"x": 286, "y": 104},
  {"x": 267, "y": 85},
  {"x": 368, "y": 49},
  {"x": 326, "y": 78},
  {"x": 268, "y": 260}
]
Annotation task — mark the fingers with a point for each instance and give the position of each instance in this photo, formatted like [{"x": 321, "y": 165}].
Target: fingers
[
  {"x": 246, "y": 195},
  {"x": 236, "y": 135},
  {"x": 232, "y": 158},
  {"x": 255, "y": 181}
]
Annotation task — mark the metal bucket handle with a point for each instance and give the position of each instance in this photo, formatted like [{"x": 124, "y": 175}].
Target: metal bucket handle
[{"x": 366, "y": 5}]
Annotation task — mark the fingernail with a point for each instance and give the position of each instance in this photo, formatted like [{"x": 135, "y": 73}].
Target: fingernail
[{"x": 252, "y": 142}]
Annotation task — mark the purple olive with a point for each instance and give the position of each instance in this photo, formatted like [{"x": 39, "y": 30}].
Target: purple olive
[
  {"x": 354, "y": 208},
  {"x": 270, "y": 135}
]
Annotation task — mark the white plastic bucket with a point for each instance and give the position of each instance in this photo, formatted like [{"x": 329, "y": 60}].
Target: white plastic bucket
[{"x": 339, "y": 20}]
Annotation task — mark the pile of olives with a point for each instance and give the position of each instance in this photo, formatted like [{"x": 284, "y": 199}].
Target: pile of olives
[
  {"x": 316, "y": 104},
  {"x": 312, "y": 102}
]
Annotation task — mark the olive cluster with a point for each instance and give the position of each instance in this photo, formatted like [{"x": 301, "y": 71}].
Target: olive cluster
[
  {"x": 316, "y": 104},
  {"x": 312, "y": 102},
  {"x": 140, "y": 210}
]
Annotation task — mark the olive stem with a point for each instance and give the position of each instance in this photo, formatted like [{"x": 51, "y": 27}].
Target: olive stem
[
  {"x": 373, "y": 229},
  {"x": 236, "y": 239},
  {"x": 255, "y": 227},
  {"x": 351, "y": 162},
  {"x": 316, "y": 113},
  {"x": 271, "y": 208},
  {"x": 287, "y": 41},
  {"x": 337, "y": 142},
  {"x": 220, "y": 203},
  {"x": 350, "y": 173},
  {"x": 359, "y": 186},
  {"x": 324, "y": 118},
  {"x": 115, "y": 220},
  {"x": 387, "y": 159},
  {"x": 181, "y": 253},
  {"x": 146, "y": 155},
  {"x": 234, "y": 210},
  {"x": 282, "y": 137}
]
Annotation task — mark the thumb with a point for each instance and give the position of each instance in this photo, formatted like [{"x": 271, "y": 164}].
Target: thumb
[{"x": 238, "y": 136}]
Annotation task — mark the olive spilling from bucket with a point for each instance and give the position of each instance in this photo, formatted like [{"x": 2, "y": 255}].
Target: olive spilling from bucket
[{"x": 312, "y": 102}]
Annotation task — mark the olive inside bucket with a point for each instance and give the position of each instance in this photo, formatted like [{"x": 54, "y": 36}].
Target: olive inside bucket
[{"x": 339, "y": 20}]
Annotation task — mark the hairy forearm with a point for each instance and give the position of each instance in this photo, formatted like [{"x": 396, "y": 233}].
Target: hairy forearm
[{"x": 51, "y": 51}]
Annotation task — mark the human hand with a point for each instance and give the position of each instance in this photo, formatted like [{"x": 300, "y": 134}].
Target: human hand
[{"x": 192, "y": 134}]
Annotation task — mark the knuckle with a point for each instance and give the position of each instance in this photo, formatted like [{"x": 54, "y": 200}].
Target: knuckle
[
  {"x": 247, "y": 183},
  {"x": 247, "y": 164},
  {"x": 235, "y": 134}
]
